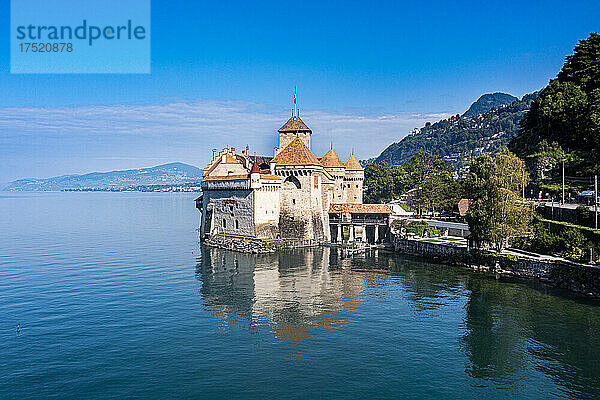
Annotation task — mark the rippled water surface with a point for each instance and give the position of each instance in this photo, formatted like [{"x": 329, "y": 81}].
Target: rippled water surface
[{"x": 116, "y": 299}]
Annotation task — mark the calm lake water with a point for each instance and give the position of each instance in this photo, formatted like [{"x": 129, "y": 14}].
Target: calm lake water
[{"x": 116, "y": 299}]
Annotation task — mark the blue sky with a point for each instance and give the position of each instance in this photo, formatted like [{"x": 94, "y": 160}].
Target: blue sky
[{"x": 223, "y": 74}]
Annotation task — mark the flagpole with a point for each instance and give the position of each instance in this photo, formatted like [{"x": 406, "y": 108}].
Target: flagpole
[{"x": 295, "y": 109}]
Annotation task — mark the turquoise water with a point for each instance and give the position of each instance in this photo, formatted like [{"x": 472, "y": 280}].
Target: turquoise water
[{"x": 117, "y": 300}]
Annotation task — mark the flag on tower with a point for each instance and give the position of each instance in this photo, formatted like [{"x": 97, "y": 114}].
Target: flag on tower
[{"x": 295, "y": 109}]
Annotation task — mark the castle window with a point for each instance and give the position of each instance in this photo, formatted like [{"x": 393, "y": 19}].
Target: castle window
[
  {"x": 237, "y": 224},
  {"x": 224, "y": 223},
  {"x": 291, "y": 182},
  {"x": 293, "y": 201}
]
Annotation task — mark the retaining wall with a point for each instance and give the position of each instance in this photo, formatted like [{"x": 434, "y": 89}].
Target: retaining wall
[{"x": 578, "y": 278}]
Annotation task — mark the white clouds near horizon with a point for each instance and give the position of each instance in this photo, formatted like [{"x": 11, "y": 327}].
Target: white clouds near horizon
[{"x": 44, "y": 141}]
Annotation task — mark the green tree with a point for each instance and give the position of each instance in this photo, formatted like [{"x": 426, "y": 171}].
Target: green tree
[
  {"x": 498, "y": 214},
  {"x": 433, "y": 181},
  {"x": 567, "y": 111},
  {"x": 384, "y": 182}
]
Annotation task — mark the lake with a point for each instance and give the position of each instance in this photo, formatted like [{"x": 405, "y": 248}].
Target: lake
[{"x": 117, "y": 299}]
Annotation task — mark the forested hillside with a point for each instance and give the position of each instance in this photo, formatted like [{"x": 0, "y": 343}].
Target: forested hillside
[
  {"x": 488, "y": 101},
  {"x": 458, "y": 138},
  {"x": 564, "y": 121}
]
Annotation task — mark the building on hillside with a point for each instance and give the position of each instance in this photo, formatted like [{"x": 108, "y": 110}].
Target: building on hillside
[{"x": 292, "y": 195}]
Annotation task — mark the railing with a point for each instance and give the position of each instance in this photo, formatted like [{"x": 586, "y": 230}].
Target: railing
[{"x": 358, "y": 221}]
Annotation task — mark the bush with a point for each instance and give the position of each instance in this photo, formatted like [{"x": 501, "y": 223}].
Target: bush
[
  {"x": 421, "y": 228},
  {"x": 570, "y": 241},
  {"x": 583, "y": 215}
]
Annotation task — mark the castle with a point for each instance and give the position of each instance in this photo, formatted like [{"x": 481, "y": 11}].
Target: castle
[{"x": 292, "y": 195}]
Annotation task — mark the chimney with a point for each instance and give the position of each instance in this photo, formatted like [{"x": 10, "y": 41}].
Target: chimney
[
  {"x": 214, "y": 154},
  {"x": 233, "y": 150}
]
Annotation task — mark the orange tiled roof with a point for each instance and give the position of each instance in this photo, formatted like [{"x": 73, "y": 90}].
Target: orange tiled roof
[
  {"x": 226, "y": 178},
  {"x": 360, "y": 208},
  {"x": 294, "y": 124},
  {"x": 352, "y": 164},
  {"x": 331, "y": 160},
  {"x": 296, "y": 153},
  {"x": 229, "y": 159},
  {"x": 269, "y": 176}
]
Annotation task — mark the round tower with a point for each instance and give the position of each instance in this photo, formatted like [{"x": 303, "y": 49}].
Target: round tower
[
  {"x": 353, "y": 181},
  {"x": 332, "y": 164}
]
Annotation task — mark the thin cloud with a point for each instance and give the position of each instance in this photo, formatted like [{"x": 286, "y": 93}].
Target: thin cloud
[{"x": 107, "y": 136}]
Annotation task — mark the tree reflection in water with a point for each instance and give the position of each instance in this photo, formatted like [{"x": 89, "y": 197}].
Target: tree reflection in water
[{"x": 510, "y": 334}]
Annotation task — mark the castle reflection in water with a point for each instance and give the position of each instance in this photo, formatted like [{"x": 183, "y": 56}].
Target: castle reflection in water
[
  {"x": 292, "y": 292},
  {"x": 502, "y": 328}
]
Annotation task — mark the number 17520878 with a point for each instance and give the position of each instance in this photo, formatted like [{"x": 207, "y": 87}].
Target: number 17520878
[{"x": 46, "y": 47}]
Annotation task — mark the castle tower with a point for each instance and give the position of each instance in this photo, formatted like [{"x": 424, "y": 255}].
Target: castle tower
[
  {"x": 353, "y": 181},
  {"x": 293, "y": 128},
  {"x": 301, "y": 214},
  {"x": 332, "y": 164}
]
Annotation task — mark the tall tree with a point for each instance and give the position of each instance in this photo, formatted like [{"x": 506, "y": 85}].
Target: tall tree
[
  {"x": 497, "y": 214},
  {"x": 567, "y": 111},
  {"x": 384, "y": 182},
  {"x": 433, "y": 181}
]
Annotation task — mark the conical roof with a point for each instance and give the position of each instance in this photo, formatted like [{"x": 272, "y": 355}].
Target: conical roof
[
  {"x": 255, "y": 169},
  {"x": 331, "y": 160},
  {"x": 352, "y": 164},
  {"x": 294, "y": 124},
  {"x": 296, "y": 153}
]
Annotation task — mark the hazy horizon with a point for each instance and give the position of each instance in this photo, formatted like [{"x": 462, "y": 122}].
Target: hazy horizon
[{"x": 226, "y": 78}]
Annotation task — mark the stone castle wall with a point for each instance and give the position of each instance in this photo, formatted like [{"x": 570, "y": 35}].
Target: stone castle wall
[
  {"x": 286, "y": 138},
  {"x": 266, "y": 211},
  {"x": 229, "y": 211},
  {"x": 301, "y": 213},
  {"x": 339, "y": 195},
  {"x": 353, "y": 187}
]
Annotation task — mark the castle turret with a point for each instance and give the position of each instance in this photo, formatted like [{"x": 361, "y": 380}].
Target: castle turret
[
  {"x": 255, "y": 177},
  {"x": 332, "y": 164},
  {"x": 353, "y": 181},
  {"x": 293, "y": 128}
]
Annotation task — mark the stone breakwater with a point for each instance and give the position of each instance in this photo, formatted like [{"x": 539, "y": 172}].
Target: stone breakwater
[
  {"x": 584, "y": 279},
  {"x": 243, "y": 244},
  {"x": 247, "y": 244}
]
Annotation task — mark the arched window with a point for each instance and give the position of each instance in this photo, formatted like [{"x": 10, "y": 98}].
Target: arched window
[{"x": 291, "y": 182}]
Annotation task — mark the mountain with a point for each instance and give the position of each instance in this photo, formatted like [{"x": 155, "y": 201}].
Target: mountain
[
  {"x": 460, "y": 137},
  {"x": 167, "y": 174},
  {"x": 488, "y": 101}
]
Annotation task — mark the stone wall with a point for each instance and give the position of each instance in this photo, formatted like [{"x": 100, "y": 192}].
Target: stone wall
[
  {"x": 301, "y": 212},
  {"x": 570, "y": 215},
  {"x": 353, "y": 187},
  {"x": 584, "y": 279},
  {"x": 338, "y": 184},
  {"x": 230, "y": 211},
  {"x": 266, "y": 211},
  {"x": 286, "y": 138},
  {"x": 243, "y": 244},
  {"x": 436, "y": 251}
]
